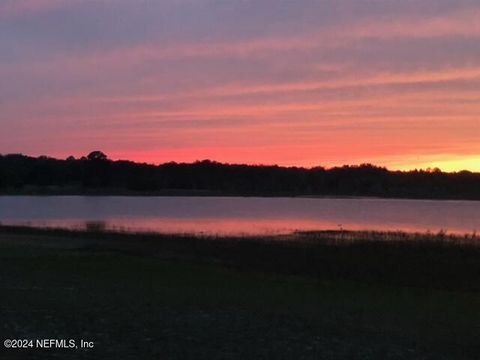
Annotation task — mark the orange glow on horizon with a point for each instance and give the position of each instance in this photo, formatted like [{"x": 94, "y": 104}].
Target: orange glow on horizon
[
  {"x": 453, "y": 164},
  {"x": 446, "y": 163},
  {"x": 321, "y": 84}
]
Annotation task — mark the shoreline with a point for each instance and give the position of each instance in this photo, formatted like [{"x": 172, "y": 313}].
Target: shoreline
[
  {"x": 209, "y": 193},
  {"x": 320, "y": 234},
  {"x": 234, "y": 196},
  {"x": 430, "y": 261}
]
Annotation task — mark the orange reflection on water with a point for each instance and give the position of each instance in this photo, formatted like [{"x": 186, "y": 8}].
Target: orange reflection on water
[{"x": 221, "y": 227}]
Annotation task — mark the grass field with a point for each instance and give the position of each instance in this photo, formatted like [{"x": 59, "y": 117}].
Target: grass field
[{"x": 309, "y": 296}]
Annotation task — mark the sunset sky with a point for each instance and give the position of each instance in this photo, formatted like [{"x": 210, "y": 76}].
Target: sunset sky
[{"x": 327, "y": 82}]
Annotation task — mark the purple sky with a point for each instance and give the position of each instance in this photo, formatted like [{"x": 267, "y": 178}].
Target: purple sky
[{"x": 395, "y": 83}]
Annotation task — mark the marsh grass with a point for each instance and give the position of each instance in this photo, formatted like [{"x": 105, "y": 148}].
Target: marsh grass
[
  {"x": 316, "y": 295},
  {"x": 426, "y": 260}
]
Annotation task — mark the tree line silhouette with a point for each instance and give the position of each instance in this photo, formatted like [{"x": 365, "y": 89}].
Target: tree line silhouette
[{"x": 96, "y": 174}]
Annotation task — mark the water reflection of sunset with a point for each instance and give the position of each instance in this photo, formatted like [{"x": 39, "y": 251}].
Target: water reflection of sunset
[{"x": 242, "y": 216}]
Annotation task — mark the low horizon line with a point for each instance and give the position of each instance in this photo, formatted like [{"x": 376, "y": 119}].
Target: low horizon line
[{"x": 428, "y": 169}]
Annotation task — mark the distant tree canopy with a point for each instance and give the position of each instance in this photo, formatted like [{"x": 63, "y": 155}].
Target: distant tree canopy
[
  {"x": 97, "y": 156},
  {"x": 95, "y": 173}
]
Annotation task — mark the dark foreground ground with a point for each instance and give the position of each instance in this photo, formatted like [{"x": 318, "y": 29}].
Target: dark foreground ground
[{"x": 316, "y": 296}]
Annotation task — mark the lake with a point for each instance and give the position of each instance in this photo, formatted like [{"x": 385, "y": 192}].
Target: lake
[{"x": 239, "y": 215}]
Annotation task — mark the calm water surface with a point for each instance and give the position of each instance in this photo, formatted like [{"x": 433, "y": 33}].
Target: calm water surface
[{"x": 240, "y": 216}]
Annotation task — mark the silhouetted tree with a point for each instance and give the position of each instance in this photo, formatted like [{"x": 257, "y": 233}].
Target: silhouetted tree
[
  {"x": 97, "y": 156},
  {"x": 20, "y": 173}
]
